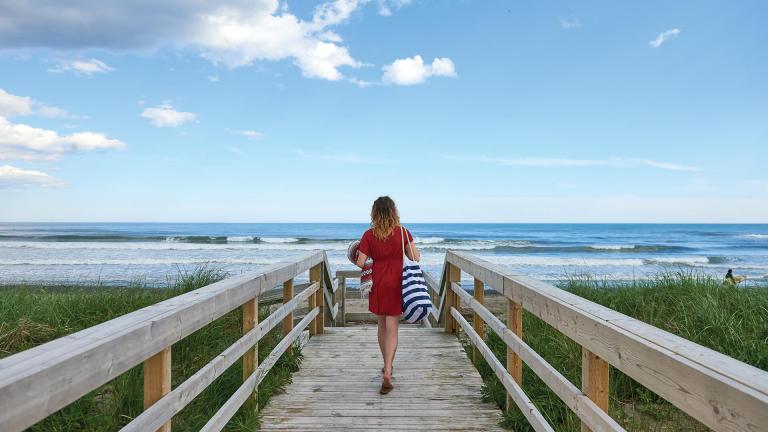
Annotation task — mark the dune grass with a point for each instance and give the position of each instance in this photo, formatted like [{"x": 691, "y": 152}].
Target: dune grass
[
  {"x": 32, "y": 314},
  {"x": 731, "y": 320}
]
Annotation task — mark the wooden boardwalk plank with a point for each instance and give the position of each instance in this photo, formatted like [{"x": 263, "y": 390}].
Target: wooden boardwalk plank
[{"x": 436, "y": 386}]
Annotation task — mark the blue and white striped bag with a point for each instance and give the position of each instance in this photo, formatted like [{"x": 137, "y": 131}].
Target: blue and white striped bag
[{"x": 416, "y": 302}]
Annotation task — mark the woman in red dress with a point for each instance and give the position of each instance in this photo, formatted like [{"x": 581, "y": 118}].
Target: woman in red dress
[{"x": 384, "y": 244}]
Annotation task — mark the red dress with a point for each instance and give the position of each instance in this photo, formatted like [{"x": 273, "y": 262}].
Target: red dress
[{"x": 387, "y": 255}]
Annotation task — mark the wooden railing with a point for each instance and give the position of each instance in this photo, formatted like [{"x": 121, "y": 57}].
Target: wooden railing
[
  {"x": 722, "y": 393},
  {"x": 40, "y": 381}
]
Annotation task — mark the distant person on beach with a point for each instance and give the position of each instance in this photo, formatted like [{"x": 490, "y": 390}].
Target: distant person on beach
[
  {"x": 730, "y": 279},
  {"x": 384, "y": 243}
]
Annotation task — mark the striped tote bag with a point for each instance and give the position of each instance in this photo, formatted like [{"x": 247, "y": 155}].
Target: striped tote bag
[{"x": 416, "y": 302}]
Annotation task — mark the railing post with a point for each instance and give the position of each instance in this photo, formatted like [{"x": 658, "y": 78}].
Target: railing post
[
  {"x": 343, "y": 306},
  {"x": 594, "y": 380},
  {"x": 157, "y": 380},
  {"x": 477, "y": 322},
  {"x": 514, "y": 363},
  {"x": 288, "y": 320},
  {"x": 316, "y": 300},
  {"x": 451, "y": 300},
  {"x": 251, "y": 357}
]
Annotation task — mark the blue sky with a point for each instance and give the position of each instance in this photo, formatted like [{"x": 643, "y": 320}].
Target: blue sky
[{"x": 463, "y": 111}]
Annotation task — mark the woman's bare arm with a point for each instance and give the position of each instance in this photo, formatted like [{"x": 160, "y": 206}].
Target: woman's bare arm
[
  {"x": 361, "y": 257},
  {"x": 412, "y": 252}
]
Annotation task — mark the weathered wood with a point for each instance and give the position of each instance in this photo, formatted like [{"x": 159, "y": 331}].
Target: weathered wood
[
  {"x": 583, "y": 407},
  {"x": 594, "y": 381},
  {"x": 288, "y": 296},
  {"x": 157, "y": 381},
  {"x": 721, "y": 392},
  {"x": 336, "y": 389},
  {"x": 453, "y": 276},
  {"x": 529, "y": 410},
  {"x": 343, "y": 287},
  {"x": 39, "y": 381},
  {"x": 164, "y": 409},
  {"x": 316, "y": 275},
  {"x": 514, "y": 324},
  {"x": 251, "y": 357},
  {"x": 349, "y": 274},
  {"x": 477, "y": 320},
  {"x": 230, "y": 407}
]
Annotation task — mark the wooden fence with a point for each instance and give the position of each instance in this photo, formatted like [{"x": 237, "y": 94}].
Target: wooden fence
[
  {"x": 722, "y": 393},
  {"x": 38, "y": 382}
]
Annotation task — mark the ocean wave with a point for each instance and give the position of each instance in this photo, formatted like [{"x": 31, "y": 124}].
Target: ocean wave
[
  {"x": 755, "y": 236},
  {"x": 173, "y": 246},
  {"x": 279, "y": 239},
  {"x": 428, "y": 240}
]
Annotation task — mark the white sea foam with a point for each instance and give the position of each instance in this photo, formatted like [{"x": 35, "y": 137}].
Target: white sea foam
[
  {"x": 428, "y": 240},
  {"x": 170, "y": 245},
  {"x": 689, "y": 260},
  {"x": 238, "y": 239},
  {"x": 278, "y": 239},
  {"x": 756, "y": 236},
  {"x": 612, "y": 247}
]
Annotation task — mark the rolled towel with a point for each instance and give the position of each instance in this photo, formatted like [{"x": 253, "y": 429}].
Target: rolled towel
[{"x": 366, "y": 275}]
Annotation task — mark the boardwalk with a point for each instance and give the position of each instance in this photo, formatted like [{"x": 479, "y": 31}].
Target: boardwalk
[
  {"x": 336, "y": 388},
  {"x": 436, "y": 386}
]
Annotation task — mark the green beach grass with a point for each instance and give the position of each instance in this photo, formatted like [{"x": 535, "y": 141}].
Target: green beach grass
[
  {"x": 731, "y": 320},
  {"x": 32, "y": 314}
]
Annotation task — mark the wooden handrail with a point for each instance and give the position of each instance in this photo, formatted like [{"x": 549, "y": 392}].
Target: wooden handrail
[
  {"x": 582, "y": 406},
  {"x": 721, "y": 392},
  {"x": 173, "y": 402},
  {"x": 37, "y": 382}
]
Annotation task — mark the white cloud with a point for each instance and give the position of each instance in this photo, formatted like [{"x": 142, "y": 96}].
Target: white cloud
[
  {"x": 386, "y": 6},
  {"x": 214, "y": 78},
  {"x": 167, "y": 116},
  {"x": 412, "y": 70},
  {"x": 20, "y": 141},
  {"x": 568, "y": 162},
  {"x": 251, "y": 134},
  {"x": 12, "y": 105},
  {"x": 83, "y": 67},
  {"x": 570, "y": 23},
  {"x": 232, "y": 33},
  {"x": 663, "y": 37},
  {"x": 14, "y": 177}
]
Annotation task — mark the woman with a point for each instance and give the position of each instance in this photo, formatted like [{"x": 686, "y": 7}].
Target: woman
[{"x": 384, "y": 244}]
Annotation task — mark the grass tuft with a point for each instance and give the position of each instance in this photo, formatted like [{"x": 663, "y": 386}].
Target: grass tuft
[{"x": 728, "y": 319}]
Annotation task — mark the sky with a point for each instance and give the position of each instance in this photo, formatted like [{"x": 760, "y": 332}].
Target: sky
[{"x": 306, "y": 111}]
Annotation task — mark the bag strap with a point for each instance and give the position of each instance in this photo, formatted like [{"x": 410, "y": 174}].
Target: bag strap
[{"x": 403, "y": 239}]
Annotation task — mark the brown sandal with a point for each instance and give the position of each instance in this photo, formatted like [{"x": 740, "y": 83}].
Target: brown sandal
[{"x": 386, "y": 386}]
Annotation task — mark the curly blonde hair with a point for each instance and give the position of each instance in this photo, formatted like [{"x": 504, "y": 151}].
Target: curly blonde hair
[{"x": 384, "y": 217}]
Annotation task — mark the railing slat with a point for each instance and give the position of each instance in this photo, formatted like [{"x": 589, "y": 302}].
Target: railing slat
[
  {"x": 529, "y": 410},
  {"x": 573, "y": 398},
  {"x": 230, "y": 407}
]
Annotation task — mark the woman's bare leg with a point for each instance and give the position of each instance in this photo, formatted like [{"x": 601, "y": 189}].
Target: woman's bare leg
[
  {"x": 382, "y": 333},
  {"x": 390, "y": 345}
]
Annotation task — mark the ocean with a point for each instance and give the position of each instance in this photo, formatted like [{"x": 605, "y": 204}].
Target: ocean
[{"x": 154, "y": 253}]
